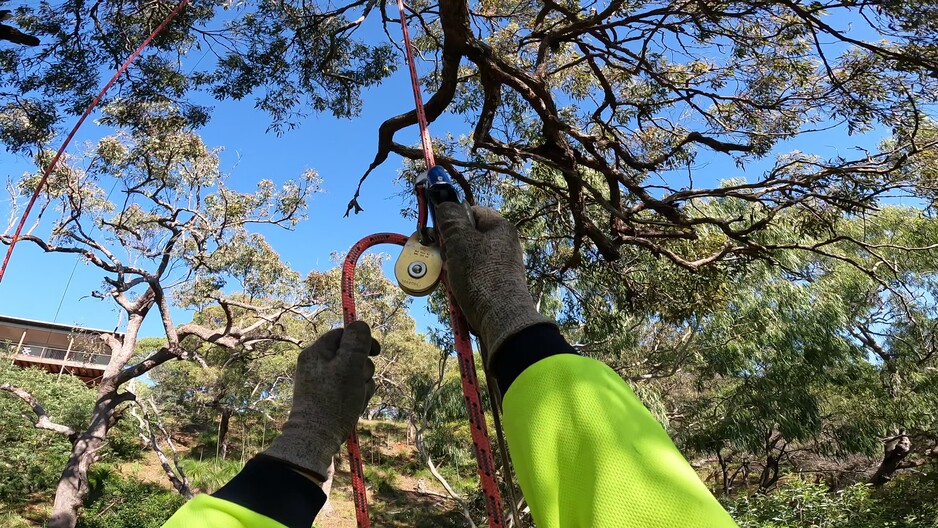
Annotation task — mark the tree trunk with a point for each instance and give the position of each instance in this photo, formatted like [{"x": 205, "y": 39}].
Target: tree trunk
[
  {"x": 177, "y": 477},
  {"x": 73, "y": 485},
  {"x": 895, "y": 450},
  {"x": 724, "y": 472},
  {"x": 769, "y": 475},
  {"x": 223, "y": 433}
]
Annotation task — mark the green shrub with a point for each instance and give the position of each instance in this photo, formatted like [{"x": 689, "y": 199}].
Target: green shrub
[
  {"x": 33, "y": 466},
  {"x": 32, "y": 460},
  {"x": 907, "y": 502},
  {"x": 799, "y": 503},
  {"x": 117, "y": 502},
  {"x": 910, "y": 499},
  {"x": 450, "y": 444},
  {"x": 209, "y": 475},
  {"x": 123, "y": 442},
  {"x": 381, "y": 480}
]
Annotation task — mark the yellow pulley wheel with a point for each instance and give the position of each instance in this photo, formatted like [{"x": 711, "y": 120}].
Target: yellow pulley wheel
[{"x": 418, "y": 268}]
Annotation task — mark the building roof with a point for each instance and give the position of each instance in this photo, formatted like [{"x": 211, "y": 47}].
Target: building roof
[{"x": 59, "y": 327}]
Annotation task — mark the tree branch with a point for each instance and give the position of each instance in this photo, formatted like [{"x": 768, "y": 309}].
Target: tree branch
[{"x": 43, "y": 421}]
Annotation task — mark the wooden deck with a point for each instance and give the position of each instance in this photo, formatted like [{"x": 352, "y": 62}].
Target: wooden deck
[
  {"x": 88, "y": 372},
  {"x": 88, "y": 367}
]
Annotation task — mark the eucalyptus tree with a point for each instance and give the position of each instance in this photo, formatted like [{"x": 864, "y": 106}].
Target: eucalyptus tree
[
  {"x": 894, "y": 319},
  {"x": 251, "y": 386},
  {"x": 764, "y": 363},
  {"x": 295, "y": 58},
  {"x": 171, "y": 233},
  {"x": 256, "y": 385},
  {"x": 809, "y": 361},
  {"x": 623, "y": 103}
]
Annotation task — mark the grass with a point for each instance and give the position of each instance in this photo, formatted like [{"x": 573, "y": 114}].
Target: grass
[
  {"x": 381, "y": 479},
  {"x": 210, "y": 474},
  {"x": 12, "y": 520}
]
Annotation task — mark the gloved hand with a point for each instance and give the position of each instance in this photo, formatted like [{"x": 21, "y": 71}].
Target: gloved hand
[
  {"x": 332, "y": 386},
  {"x": 485, "y": 271}
]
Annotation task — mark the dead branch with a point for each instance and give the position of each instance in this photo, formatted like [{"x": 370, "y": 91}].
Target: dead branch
[{"x": 177, "y": 477}]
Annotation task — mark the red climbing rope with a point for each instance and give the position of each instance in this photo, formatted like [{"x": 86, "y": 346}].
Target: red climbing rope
[
  {"x": 68, "y": 139},
  {"x": 415, "y": 84},
  {"x": 422, "y": 123},
  {"x": 349, "y": 315},
  {"x": 470, "y": 383},
  {"x": 480, "y": 435}
]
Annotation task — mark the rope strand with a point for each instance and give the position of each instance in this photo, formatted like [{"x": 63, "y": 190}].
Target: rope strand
[
  {"x": 81, "y": 120},
  {"x": 480, "y": 440},
  {"x": 350, "y": 315},
  {"x": 425, "y": 140}
]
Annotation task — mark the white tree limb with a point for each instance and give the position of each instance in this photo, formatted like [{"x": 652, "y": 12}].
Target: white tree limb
[
  {"x": 43, "y": 421},
  {"x": 145, "y": 430}
]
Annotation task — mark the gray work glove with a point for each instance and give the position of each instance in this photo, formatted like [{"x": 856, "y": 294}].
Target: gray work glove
[
  {"x": 331, "y": 388},
  {"x": 485, "y": 272}
]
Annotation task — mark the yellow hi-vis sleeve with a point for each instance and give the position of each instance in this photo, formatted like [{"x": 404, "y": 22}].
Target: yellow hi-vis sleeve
[
  {"x": 588, "y": 454},
  {"x": 205, "y": 511}
]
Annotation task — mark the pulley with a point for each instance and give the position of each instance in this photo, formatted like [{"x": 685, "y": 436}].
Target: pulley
[{"x": 419, "y": 267}]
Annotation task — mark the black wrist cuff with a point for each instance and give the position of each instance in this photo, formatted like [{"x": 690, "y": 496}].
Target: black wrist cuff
[
  {"x": 299, "y": 469},
  {"x": 271, "y": 488},
  {"x": 526, "y": 348}
]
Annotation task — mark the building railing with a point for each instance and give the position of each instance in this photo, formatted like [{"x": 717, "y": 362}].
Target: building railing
[{"x": 42, "y": 352}]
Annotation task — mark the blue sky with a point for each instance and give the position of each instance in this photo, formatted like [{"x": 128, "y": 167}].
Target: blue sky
[
  {"x": 36, "y": 284},
  {"x": 339, "y": 150}
]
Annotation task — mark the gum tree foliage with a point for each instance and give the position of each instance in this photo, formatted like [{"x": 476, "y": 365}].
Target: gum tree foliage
[
  {"x": 806, "y": 362},
  {"x": 829, "y": 362},
  {"x": 254, "y": 387},
  {"x": 169, "y": 232},
  {"x": 621, "y": 103},
  {"x": 612, "y": 110},
  {"x": 292, "y": 58},
  {"x": 249, "y": 386}
]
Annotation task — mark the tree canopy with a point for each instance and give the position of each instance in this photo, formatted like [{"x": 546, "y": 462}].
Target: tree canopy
[
  {"x": 612, "y": 110},
  {"x": 730, "y": 203}
]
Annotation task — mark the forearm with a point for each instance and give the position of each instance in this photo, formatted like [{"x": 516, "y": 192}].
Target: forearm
[
  {"x": 331, "y": 387},
  {"x": 265, "y": 494},
  {"x": 586, "y": 451}
]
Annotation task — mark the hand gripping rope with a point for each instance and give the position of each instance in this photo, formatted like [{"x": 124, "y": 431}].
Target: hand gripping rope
[
  {"x": 460, "y": 327},
  {"x": 470, "y": 383},
  {"x": 470, "y": 386}
]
